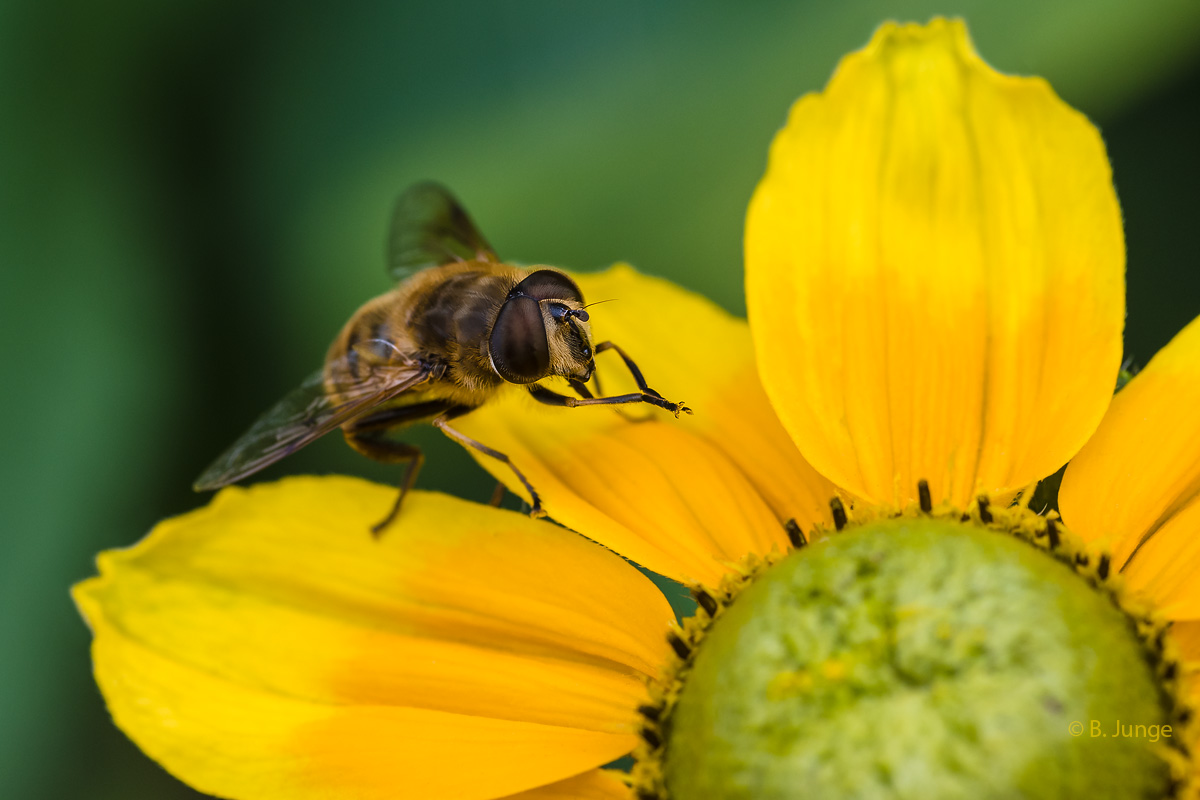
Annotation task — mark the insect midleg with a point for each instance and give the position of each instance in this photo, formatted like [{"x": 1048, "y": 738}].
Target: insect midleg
[
  {"x": 581, "y": 388},
  {"x": 372, "y": 444},
  {"x": 553, "y": 398},
  {"x": 399, "y": 415},
  {"x": 441, "y": 423}
]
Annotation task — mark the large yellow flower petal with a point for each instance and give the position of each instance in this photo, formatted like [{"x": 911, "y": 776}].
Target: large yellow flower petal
[
  {"x": 599, "y": 784},
  {"x": 685, "y": 496},
  {"x": 268, "y": 646},
  {"x": 1135, "y": 486},
  {"x": 935, "y": 272}
]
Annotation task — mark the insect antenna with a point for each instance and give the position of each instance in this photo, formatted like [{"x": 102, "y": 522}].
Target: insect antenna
[{"x": 581, "y": 314}]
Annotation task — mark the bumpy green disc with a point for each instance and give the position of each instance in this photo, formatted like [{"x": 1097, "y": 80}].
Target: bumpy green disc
[{"x": 919, "y": 658}]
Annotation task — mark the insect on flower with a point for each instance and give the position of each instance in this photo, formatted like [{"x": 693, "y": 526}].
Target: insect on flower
[{"x": 459, "y": 326}]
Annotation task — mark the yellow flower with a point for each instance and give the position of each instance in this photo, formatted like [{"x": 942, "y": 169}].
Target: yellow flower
[{"x": 935, "y": 284}]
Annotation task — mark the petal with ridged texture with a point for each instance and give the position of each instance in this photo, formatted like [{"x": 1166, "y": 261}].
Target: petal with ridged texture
[
  {"x": 684, "y": 497},
  {"x": 1135, "y": 486},
  {"x": 267, "y": 646},
  {"x": 935, "y": 272},
  {"x": 599, "y": 784},
  {"x": 1166, "y": 568}
]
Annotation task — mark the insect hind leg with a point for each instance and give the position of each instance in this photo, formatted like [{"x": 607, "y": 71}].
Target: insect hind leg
[
  {"x": 442, "y": 424},
  {"x": 373, "y": 445}
]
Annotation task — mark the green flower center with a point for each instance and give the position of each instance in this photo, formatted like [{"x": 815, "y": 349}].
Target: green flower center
[{"x": 919, "y": 658}]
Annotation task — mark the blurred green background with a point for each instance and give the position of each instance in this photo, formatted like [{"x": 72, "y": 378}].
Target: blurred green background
[{"x": 195, "y": 196}]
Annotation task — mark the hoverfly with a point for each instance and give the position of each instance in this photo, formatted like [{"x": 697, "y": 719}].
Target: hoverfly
[{"x": 459, "y": 326}]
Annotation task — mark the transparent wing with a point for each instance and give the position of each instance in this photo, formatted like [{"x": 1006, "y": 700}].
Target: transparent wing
[
  {"x": 430, "y": 228},
  {"x": 310, "y": 412}
]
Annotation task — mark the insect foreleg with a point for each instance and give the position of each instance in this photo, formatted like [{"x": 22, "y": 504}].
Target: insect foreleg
[
  {"x": 552, "y": 398},
  {"x": 373, "y": 445},
  {"x": 442, "y": 424},
  {"x": 631, "y": 366}
]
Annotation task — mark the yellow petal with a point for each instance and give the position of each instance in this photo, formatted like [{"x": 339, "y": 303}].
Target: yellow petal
[
  {"x": 1167, "y": 566},
  {"x": 268, "y": 646},
  {"x": 683, "y": 497},
  {"x": 1187, "y": 637},
  {"x": 1136, "y": 484},
  {"x": 935, "y": 272},
  {"x": 599, "y": 784}
]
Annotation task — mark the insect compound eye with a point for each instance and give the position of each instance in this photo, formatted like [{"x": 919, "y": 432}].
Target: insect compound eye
[
  {"x": 546, "y": 284},
  {"x": 520, "y": 350}
]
